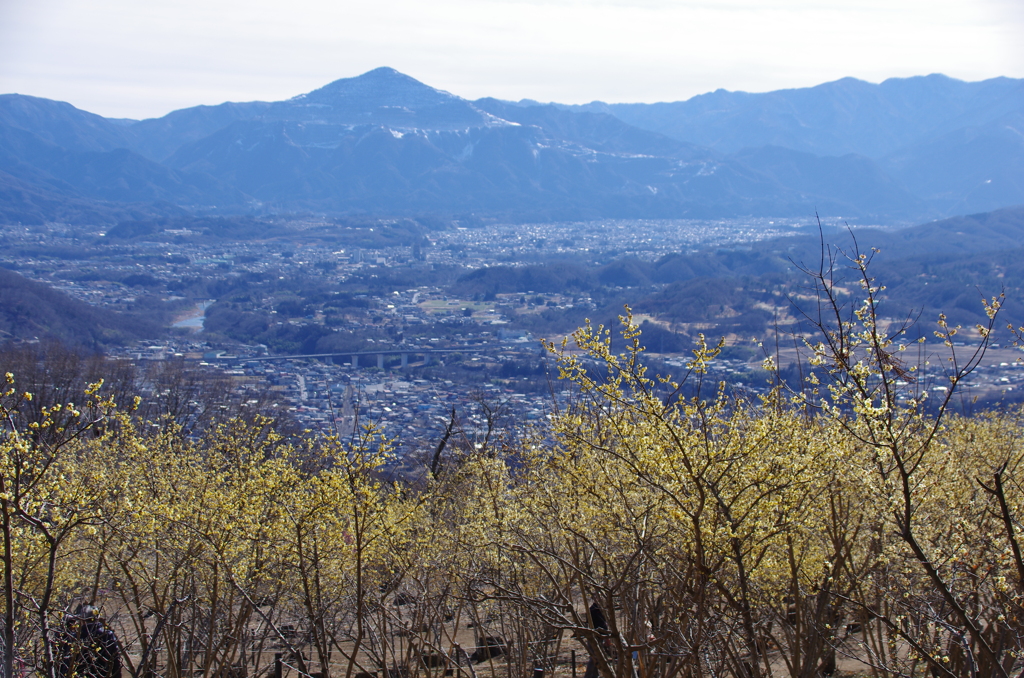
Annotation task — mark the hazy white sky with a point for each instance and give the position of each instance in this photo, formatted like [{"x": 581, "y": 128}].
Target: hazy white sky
[{"x": 144, "y": 58}]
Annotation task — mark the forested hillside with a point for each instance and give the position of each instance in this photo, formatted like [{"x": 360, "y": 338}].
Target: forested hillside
[{"x": 32, "y": 310}]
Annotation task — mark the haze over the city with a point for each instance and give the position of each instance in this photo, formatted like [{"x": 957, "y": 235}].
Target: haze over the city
[{"x": 136, "y": 60}]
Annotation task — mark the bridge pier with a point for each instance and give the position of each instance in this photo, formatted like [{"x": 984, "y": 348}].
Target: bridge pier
[
  {"x": 426, "y": 359},
  {"x": 405, "y": 360},
  {"x": 355, "y": 362},
  {"x": 380, "y": 361}
]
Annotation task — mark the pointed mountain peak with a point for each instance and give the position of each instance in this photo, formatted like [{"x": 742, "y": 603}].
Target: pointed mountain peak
[
  {"x": 386, "y": 73},
  {"x": 383, "y": 96},
  {"x": 380, "y": 87}
]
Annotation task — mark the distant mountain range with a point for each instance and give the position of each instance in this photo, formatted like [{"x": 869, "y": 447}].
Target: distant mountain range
[{"x": 383, "y": 143}]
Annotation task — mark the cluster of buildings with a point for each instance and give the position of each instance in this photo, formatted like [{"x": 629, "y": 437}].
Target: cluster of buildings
[
  {"x": 326, "y": 396},
  {"x": 92, "y": 266},
  {"x": 645, "y": 239},
  {"x": 406, "y": 384}
]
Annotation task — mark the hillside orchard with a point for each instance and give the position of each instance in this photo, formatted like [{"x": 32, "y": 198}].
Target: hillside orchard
[{"x": 841, "y": 523}]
